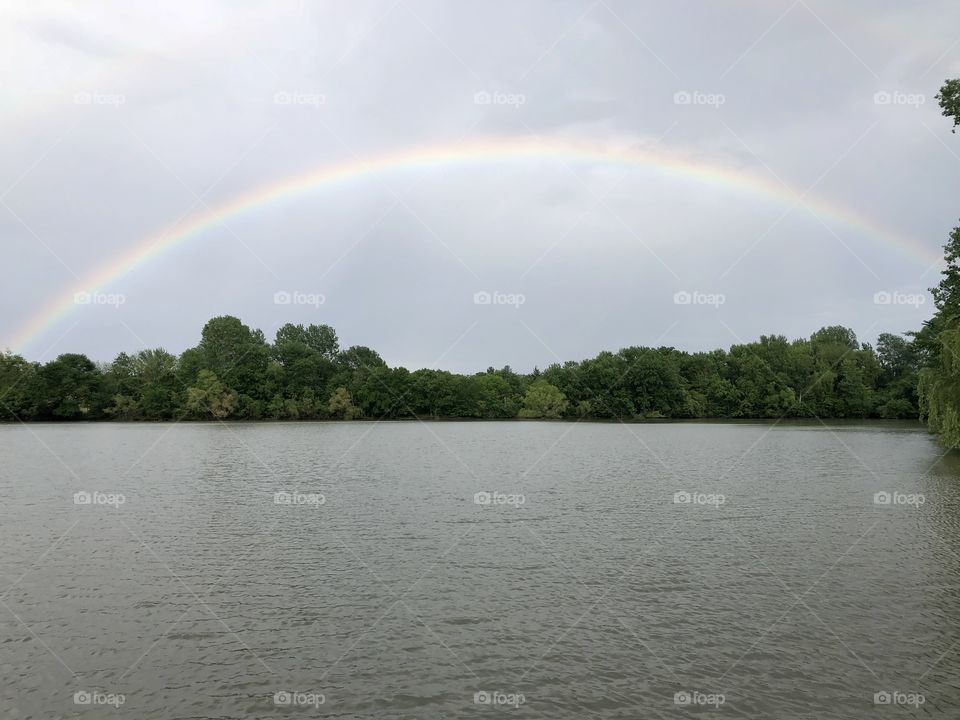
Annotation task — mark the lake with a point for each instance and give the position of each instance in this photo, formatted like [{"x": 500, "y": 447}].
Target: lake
[{"x": 454, "y": 570}]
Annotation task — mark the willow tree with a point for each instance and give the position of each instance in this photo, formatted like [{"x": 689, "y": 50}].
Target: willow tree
[{"x": 939, "y": 385}]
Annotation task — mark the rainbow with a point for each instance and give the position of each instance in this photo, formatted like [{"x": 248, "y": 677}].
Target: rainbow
[{"x": 474, "y": 153}]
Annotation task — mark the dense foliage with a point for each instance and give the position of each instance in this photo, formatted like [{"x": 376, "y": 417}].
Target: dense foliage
[
  {"x": 949, "y": 98},
  {"x": 235, "y": 373},
  {"x": 938, "y": 342}
]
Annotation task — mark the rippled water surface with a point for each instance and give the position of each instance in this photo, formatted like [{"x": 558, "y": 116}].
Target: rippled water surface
[{"x": 582, "y": 589}]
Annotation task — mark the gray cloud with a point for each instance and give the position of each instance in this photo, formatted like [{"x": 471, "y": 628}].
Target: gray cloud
[{"x": 120, "y": 120}]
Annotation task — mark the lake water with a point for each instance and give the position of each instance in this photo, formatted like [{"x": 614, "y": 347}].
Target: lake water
[{"x": 379, "y": 584}]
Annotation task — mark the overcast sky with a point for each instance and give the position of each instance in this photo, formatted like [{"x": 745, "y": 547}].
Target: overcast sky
[{"x": 121, "y": 119}]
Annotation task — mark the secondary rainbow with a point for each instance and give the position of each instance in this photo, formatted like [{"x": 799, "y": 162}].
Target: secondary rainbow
[{"x": 498, "y": 151}]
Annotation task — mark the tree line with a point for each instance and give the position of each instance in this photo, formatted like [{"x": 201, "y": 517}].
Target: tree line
[{"x": 236, "y": 373}]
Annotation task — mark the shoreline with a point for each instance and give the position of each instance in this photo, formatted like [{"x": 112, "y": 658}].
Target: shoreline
[{"x": 796, "y": 421}]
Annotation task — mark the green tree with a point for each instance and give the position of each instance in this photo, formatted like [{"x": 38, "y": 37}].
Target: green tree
[
  {"x": 381, "y": 392},
  {"x": 237, "y": 355},
  {"x": 304, "y": 360},
  {"x": 897, "y": 385},
  {"x": 18, "y": 388},
  {"x": 938, "y": 389},
  {"x": 495, "y": 397},
  {"x": 341, "y": 405},
  {"x": 600, "y": 381},
  {"x": 433, "y": 393},
  {"x": 209, "y": 397},
  {"x": 543, "y": 400},
  {"x": 949, "y": 97},
  {"x": 124, "y": 408},
  {"x": 122, "y": 376},
  {"x": 159, "y": 386},
  {"x": 653, "y": 381},
  {"x": 71, "y": 388},
  {"x": 319, "y": 338},
  {"x": 359, "y": 357}
]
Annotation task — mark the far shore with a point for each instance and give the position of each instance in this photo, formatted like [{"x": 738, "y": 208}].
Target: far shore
[{"x": 796, "y": 421}]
